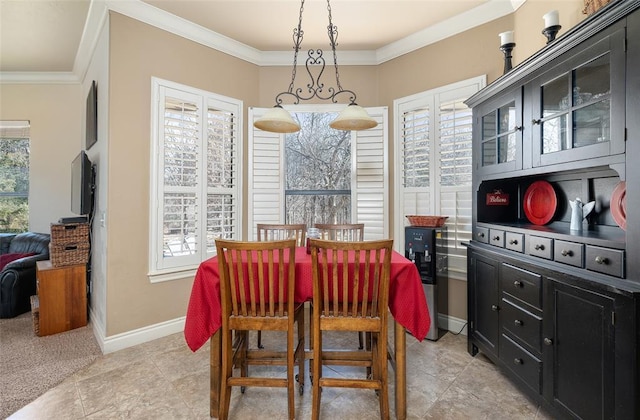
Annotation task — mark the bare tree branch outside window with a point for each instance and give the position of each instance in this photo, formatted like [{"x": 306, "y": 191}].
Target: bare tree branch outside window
[{"x": 318, "y": 174}]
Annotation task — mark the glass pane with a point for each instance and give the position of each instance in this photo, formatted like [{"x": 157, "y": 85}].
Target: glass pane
[
  {"x": 325, "y": 208},
  {"x": 221, "y": 219},
  {"x": 489, "y": 125},
  {"x": 507, "y": 116},
  {"x": 489, "y": 153},
  {"x": 591, "y": 124},
  {"x": 179, "y": 224},
  {"x": 555, "y": 96},
  {"x": 507, "y": 148},
  {"x": 555, "y": 134},
  {"x": 592, "y": 81}
]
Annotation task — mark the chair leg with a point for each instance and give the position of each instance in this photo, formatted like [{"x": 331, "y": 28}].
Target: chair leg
[
  {"x": 317, "y": 374},
  {"x": 380, "y": 373},
  {"x": 226, "y": 372},
  {"x": 360, "y": 341},
  {"x": 290, "y": 383},
  {"x": 260, "y": 346},
  {"x": 300, "y": 352}
]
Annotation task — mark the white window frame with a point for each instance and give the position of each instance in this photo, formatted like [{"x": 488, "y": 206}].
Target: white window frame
[
  {"x": 431, "y": 99},
  {"x": 179, "y": 267}
]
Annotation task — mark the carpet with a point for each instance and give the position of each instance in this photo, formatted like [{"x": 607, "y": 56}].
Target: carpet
[{"x": 31, "y": 365}]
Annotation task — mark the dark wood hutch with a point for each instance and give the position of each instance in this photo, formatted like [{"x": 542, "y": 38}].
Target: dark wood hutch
[{"x": 558, "y": 309}]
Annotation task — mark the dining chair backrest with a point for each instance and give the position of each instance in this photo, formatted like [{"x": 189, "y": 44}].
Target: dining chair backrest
[
  {"x": 341, "y": 232},
  {"x": 253, "y": 280},
  {"x": 277, "y": 232},
  {"x": 362, "y": 289}
]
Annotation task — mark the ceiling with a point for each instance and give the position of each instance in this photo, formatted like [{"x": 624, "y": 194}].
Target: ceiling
[{"x": 51, "y": 35}]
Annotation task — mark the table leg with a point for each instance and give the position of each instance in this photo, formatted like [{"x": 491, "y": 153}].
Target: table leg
[
  {"x": 214, "y": 373},
  {"x": 401, "y": 370}
]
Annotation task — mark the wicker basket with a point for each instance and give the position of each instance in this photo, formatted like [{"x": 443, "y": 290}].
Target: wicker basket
[
  {"x": 427, "y": 221},
  {"x": 69, "y": 233},
  {"x": 35, "y": 314},
  {"x": 592, "y": 6},
  {"x": 69, "y": 254}
]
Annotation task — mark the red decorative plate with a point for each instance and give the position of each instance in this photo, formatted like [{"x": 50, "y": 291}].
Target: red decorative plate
[
  {"x": 540, "y": 202},
  {"x": 619, "y": 204}
]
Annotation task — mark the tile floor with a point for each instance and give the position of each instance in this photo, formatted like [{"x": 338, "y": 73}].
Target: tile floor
[{"x": 163, "y": 379}]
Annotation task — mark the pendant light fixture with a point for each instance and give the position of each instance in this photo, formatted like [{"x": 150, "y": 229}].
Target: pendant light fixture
[{"x": 353, "y": 117}]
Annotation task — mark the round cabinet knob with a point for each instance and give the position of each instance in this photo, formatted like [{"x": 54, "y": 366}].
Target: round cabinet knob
[
  {"x": 566, "y": 253},
  {"x": 494, "y": 308},
  {"x": 535, "y": 122},
  {"x": 513, "y": 242},
  {"x": 518, "y": 128},
  {"x": 517, "y": 283},
  {"x": 539, "y": 247},
  {"x": 480, "y": 234},
  {"x": 496, "y": 238},
  {"x": 548, "y": 341},
  {"x": 601, "y": 260},
  {"x": 518, "y": 361},
  {"x": 518, "y": 322}
]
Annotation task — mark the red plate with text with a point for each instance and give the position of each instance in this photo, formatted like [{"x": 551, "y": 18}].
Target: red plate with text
[
  {"x": 619, "y": 204},
  {"x": 540, "y": 202}
]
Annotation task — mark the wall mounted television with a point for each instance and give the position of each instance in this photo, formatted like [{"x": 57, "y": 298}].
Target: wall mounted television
[
  {"x": 82, "y": 185},
  {"x": 92, "y": 116}
]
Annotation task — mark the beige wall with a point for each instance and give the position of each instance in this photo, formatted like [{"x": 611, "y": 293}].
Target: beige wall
[
  {"x": 138, "y": 52},
  {"x": 56, "y": 116}
]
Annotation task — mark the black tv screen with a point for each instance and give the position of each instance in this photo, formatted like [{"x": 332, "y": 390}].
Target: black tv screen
[
  {"x": 81, "y": 184},
  {"x": 92, "y": 116}
]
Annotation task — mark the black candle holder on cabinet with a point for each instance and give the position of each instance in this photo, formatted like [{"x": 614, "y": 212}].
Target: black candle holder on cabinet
[
  {"x": 551, "y": 32},
  {"x": 506, "y": 49}
]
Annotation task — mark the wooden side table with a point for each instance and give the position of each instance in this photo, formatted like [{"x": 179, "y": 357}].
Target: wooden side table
[{"x": 62, "y": 292}]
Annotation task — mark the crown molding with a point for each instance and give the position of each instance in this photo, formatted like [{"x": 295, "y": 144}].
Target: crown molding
[{"x": 146, "y": 13}]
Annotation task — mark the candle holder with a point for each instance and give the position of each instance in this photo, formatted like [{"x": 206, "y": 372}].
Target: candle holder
[
  {"x": 551, "y": 32},
  {"x": 506, "y": 49}
]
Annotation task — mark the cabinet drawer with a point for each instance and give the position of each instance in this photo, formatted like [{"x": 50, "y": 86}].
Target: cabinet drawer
[
  {"x": 521, "y": 324},
  {"x": 521, "y": 362},
  {"x": 568, "y": 253},
  {"x": 481, "y": 235},
  {"x": 522, "y": 284},
  {"x": 605, "y": 260},
  {"x": 540, "y": 247},
  {"x": 496, "y": 237},
  {"x": 514, "y": 241}
]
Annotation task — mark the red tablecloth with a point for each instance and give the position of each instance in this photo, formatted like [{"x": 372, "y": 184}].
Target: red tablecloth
[{"x": 407, "y": 302}]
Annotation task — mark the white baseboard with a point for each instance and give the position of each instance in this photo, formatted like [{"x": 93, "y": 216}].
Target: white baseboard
[
  {"x": 453, "y": 324},
  {"x": 138, "y": 336}
]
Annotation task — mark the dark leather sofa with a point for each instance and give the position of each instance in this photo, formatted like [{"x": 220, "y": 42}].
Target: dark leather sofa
[{"x": 18, "y": 277}]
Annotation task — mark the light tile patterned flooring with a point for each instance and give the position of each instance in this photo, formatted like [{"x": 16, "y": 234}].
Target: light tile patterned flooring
[{"x": 163, "y": 379}]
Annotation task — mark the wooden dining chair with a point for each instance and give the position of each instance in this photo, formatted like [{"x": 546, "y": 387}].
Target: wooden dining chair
[
  {"x": 351, "y": 293},
  {"x": 257, "y": 293},
  {"x": 277, "y": 232},
  {"x": 343, "y": 232}
]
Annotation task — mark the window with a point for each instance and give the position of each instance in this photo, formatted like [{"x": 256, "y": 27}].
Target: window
[
  {"x": 434, "y": 132},
  {"x": 14, "y": 176},
  {"x": 355, "y": 188},
  {"x": 318, "y": 171},
  {"x": 195, "y": 177}
]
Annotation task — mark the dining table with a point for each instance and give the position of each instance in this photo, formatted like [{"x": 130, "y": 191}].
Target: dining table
[{"x": 407, "y": 304}]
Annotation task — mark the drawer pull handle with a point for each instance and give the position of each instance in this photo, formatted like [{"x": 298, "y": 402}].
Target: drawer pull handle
[
  {"x": 513, "y": 242},
  {"x": 518, "y": 361},
  {"x": 494, "y": 308},
  {"x": 518, "y": 322},
  {"x": 567, "y": 253},
  {"x": 548, "y": 341},
  {"x": 517, "y": 283},
  {"x": 496, "y": 238},
  {"x": 480, "y": 234},
  {"x": 601, "y": 260},
  {"x": 539, "y": 247}
]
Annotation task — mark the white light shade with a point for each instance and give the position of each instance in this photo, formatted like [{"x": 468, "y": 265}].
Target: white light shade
[
  {"x": 277, "y": 120},
  {"x": 353, "y": 117}
]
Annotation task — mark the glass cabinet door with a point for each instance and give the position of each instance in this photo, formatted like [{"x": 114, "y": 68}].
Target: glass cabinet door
[
  {"x": 499, "y": 134},
  {"x": 574, "y": 117}
]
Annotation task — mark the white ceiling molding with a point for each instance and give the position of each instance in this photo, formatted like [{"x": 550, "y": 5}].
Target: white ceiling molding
[{"x": 144, "y": 12}]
